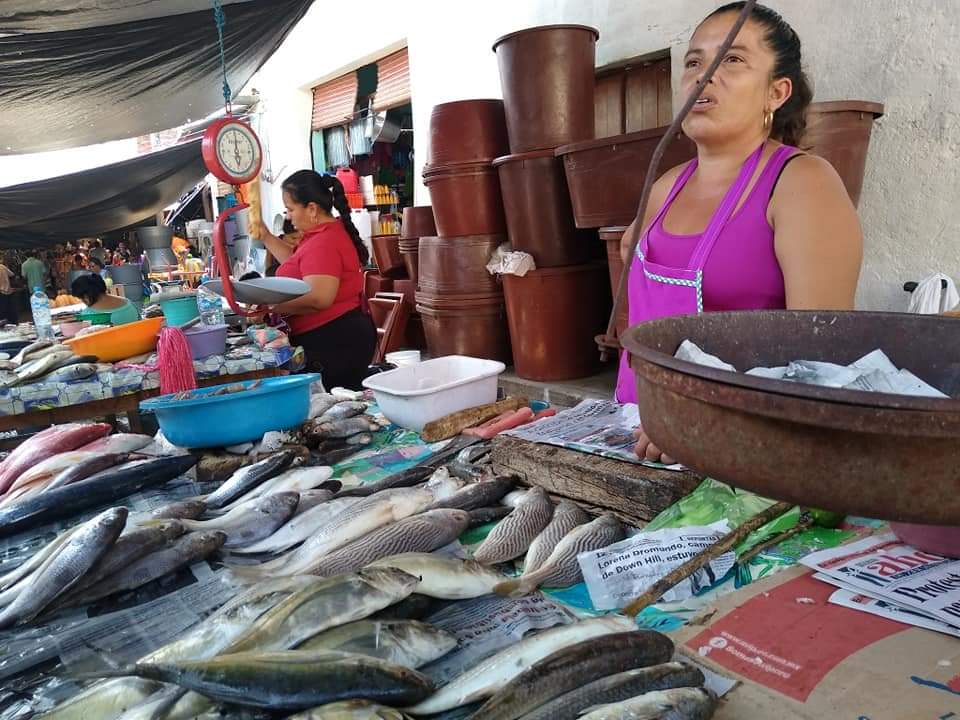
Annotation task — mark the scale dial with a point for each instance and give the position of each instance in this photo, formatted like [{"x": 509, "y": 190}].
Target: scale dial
[{"x": 231, "y": 151}]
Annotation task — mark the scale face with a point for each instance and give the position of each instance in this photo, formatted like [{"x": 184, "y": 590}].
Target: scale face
[{"x": 231, "y": 151}]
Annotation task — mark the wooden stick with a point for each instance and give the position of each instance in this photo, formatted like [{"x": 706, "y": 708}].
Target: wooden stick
[
  {"x": 805, "y": 521},
  {"x": 607, "y": 341},
  {"x": 728, "y": 542},
  {"x": 455, "y": 423}
]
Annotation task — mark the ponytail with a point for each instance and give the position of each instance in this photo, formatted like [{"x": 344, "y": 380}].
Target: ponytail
[{"x": 307, "y": 186}]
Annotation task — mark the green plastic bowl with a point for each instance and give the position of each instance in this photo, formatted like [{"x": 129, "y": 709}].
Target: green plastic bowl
[
  {"x": 96, "y": 318},
  {"x": 180, "y": 311}
]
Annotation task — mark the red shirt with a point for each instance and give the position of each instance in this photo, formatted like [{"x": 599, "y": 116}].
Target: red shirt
[{"x": 326, "y": 250}]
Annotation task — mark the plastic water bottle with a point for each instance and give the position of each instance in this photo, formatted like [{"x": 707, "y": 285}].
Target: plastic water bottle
[
  {"x": 40, "y": 305},
  {"x": 211, "y": 310}
]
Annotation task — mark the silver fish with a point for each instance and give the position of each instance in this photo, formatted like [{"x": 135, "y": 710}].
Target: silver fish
[
  {"x": 249, "y": 477},
  {"x": 350, "y": 710},
  {"x": 38, "y": 368},
  {"x": 320, "y": 403},
  {"x": 344, "y": 428},
  {"x": 615, "y": 688},
  {"x": 443, "y": 485},
  {"x": 46, "y": 556},
  {"x": 31, "y": 349},
  {"x": 512, "y": 536},
  {"x": 566, "y": 516},
  {"x": 72, "y": 373},
  {"x": 300, "y": 527},
  {"x": 363, "y": 438},
  {"x": 512, "y": 499},
  {"x": 87, "y": 467},
  {"x": 75, "y": 558},
  {"x": 343, "y": 410},
  {"x": 253, "y": 522},
  {"x": 484, "y": 515},
  {"x": 309, "y": 499},
  {"x": 674, "y": 704},
  {"x": 478, "y": 494},
  {"x": 293, "y": 480},
  {"x": 108, "y": 699},
  {"x": 410, "y": 643},
  {"x": 330, "y": 603},
  {"x": 487, "y": 677},
  {"x": 561, "y": 569},
  {"x": 187, "y": 550},
  {"x": 426, "y": 532},
  {"x": 36, "y": 560},
  {"x": 182, "y": 510},
  {"x": 445, "y": 577},
  {"x": 345, "y": 395}
]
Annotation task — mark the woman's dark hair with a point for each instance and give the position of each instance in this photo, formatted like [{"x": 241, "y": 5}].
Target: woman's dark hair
[
  {"x": 288, "y": 227},
  {"x": 98, "y": 262},
  {"x": 78, "y": 259},
  {"x": 89, "y": 288},
  {"x": 307, "y": 186},
  {"x": 790, "y": 120}
]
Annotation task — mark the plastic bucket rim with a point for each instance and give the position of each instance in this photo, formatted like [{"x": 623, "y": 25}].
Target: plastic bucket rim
[
  {"x": 166, "y": 402},
  {"x": 540, "y": 28}
]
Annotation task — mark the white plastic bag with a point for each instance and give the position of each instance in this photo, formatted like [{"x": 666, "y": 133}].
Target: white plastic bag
[{"x": 932, "y": 298}]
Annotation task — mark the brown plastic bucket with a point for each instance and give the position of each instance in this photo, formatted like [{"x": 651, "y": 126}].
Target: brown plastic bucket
[
  {"x": 410, "y": 250},
  {"x": 839, "y": 131},
  {"x": 477, "y": 328},
  {"x": 386, "y": 254},
  {"x": 548, "y": 77},
  {"x": 467, "y": 131},
  {"x": 374, "y": 282},
  {"x": 417, "y": 222},
  {"x": 466, "y": 199},
  {"x": 458, "y": 265},
  {"x": 611, "y": 237},
  {"x": 606, "y": 176},
  {"x": 536, "y": 203},
  {"x": 554, "y": 315}
]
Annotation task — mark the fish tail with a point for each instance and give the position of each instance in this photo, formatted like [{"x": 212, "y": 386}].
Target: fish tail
[{"x": 514, "y": 588}]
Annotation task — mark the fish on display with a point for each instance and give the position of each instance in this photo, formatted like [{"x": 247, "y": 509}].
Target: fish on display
[
  {"x": 320, "y": 403},
  {"x": 329, "y": 603},
  {"x": 413, "y": 607},
  {"x": 251, "y": 522},
  {"x": 36, "y": 560},
  {"x": 119, "y": 443},
  {"x": 180, "y": 510},
  {"x": 566, "y": 516},
  {"x": 108, "y": 699},
  {"x": 404, "y": 478},
  {"x": 310, "y": 499},
  {"x": 72, "y": 373},
  {"x": 484, "y": 515},
  {"x": 355, "y": 521},
  {"x": 291, "y": 679},
  {"x": 479, "y": 494},
  {"x": 574, "y": 666},
  {"x": 38, "y": 368},
  {"x": 249, "y": 477},
  {"x": 443, "y": 485},
  {"x": 409, "y": 643},
  {"x": 343, "y": 428},
  {"x": 350, "y": 710},
  {"x": 345, "y": 395},
  {"x": 616, "y": 688},
  {"x": 67, "y": 566},
  {"x": 513, "y": 498},
  {"x": 343, "y": 410},
  {"x": 49, "y": 442},
  {"x": 300, "y": 527},
  {"x": 488, "y": 676},
  {"x": 31, "y": 349},
  {"x": 468, "y": 471},
  {"x": 61, "y": 469},
  {"x": 445, "y": 577},
  {"x": 184, "y": 551},
  {"x": 512, "y": 536},
  {"x": 129, "y": 547},
  {"x": 561, "y": 569},
  {"x": 426, "y": 532},
  {"x": 87, "y": 467},
  {"x": 96, "y": 490},
  {"x": 676, "y": 704},
  {"x": 293, "y": 480}
]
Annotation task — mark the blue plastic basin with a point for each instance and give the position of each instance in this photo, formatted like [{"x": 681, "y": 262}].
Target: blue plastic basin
[{"x": 279, "y": 403}]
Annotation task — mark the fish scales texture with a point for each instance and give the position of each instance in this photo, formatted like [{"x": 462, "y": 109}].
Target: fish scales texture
[
  {"x": 574, "y": 666},
  {"x": 616, "y": 688},
  {"x": 426, "y": 532},
  {"x": 566, "y": 516},
  {"x": 409, "y": 643},
  {"x": 674, "y": 704},
  {"x": 249, "y": 477},
  {"x": 511, "y": 538},
  {"x": 443, "y": 577},
  {"x": 479, "y": 494}
]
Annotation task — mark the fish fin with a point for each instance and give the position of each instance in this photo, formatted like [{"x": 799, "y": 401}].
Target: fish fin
[
  {"x": 127, "y": 671},
  {"x": 247, "y": 574},
  {"x": 515, "y": 588}
]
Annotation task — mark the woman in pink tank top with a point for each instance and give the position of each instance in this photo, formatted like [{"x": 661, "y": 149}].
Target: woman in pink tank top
[{"x": 752, "y": 223}]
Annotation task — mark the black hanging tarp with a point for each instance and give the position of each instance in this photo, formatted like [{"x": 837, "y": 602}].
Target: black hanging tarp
[
  {"x": 96, "y": 82},
  {"x": 96, "y": 201}
]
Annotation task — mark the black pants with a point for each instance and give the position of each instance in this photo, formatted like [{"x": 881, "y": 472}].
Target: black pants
[
  {"x": 341, "y": 350},
  {"x": 8, "y": 308}
]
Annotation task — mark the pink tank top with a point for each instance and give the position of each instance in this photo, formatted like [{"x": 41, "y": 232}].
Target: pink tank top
[{"x": 742, "y": 272}]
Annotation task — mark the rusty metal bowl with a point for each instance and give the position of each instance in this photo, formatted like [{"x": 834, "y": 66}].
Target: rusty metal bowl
[{"x": 892, "y": 457}]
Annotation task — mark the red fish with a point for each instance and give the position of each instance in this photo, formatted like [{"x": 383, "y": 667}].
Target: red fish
[{"x": 49, "y": 442}]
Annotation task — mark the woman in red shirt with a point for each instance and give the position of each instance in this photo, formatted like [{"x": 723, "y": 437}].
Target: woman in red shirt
[{"x": 338, "y": 338}]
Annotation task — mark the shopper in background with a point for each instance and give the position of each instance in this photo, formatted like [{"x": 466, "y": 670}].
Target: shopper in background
[
  {"x": 34, "y": 272},
  {"x": 8, "y": 307},
  {"x": 753, "y": 223},
  {"x": 93, "y": 291},
  {"x": 338, "y": 338},
  {"x": 98, "y": 251},
  {"x": 97, "y": 266}
]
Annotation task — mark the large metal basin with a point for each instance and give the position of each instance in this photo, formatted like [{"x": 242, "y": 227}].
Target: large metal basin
[{"x": 892, "y": 457}]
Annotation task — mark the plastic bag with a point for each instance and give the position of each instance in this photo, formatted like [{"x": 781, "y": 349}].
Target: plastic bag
[{"x": 934, "y": 295}]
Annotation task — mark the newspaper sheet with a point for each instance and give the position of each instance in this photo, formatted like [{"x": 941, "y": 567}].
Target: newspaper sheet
[
  {"x": 887, "y": 569},
  {"x": 882, "y": 608},
  {"x": 598, "y": 427},
  {"x": 617, "y": 574}
]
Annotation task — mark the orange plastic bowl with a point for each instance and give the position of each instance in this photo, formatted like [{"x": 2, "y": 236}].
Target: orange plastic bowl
[{"x": 120, "y": 342}]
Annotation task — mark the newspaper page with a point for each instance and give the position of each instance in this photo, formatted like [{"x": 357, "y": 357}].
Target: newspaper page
[
  {"x": 891, "y": 611},
  {"x": 598, "y": 427},
  {"x": 886, "y": 568},
  {"x": 617, "y": 574}
]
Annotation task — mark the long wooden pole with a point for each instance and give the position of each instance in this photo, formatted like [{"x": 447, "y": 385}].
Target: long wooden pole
[{"x": 608, "y": 341}]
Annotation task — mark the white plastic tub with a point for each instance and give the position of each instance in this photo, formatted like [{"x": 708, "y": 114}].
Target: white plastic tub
[{"x": 413, "y": 396}]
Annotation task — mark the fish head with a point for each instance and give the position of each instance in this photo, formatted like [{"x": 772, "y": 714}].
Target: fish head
[
  {"x": 409, "y": 501},
  {"x": 455, "y": 519},
  {"x": 210, "y": 539},
  {"x": 112, "y": 517},
  {"x": 391, "y": 580},
  {"x": 279, "y": 502},
  {"x": 170, "y": 529}
]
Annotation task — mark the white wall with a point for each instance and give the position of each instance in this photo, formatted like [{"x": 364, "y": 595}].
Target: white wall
[
  {"x": 898, "y": 52},
  {"x": 329, "y": 41}
]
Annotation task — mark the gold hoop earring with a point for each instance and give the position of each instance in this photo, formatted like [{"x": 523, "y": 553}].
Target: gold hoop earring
[{"x": 767, "y": 119}]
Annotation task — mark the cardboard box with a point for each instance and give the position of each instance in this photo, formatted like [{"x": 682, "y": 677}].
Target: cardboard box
[{"x": 800, "y": 658}]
